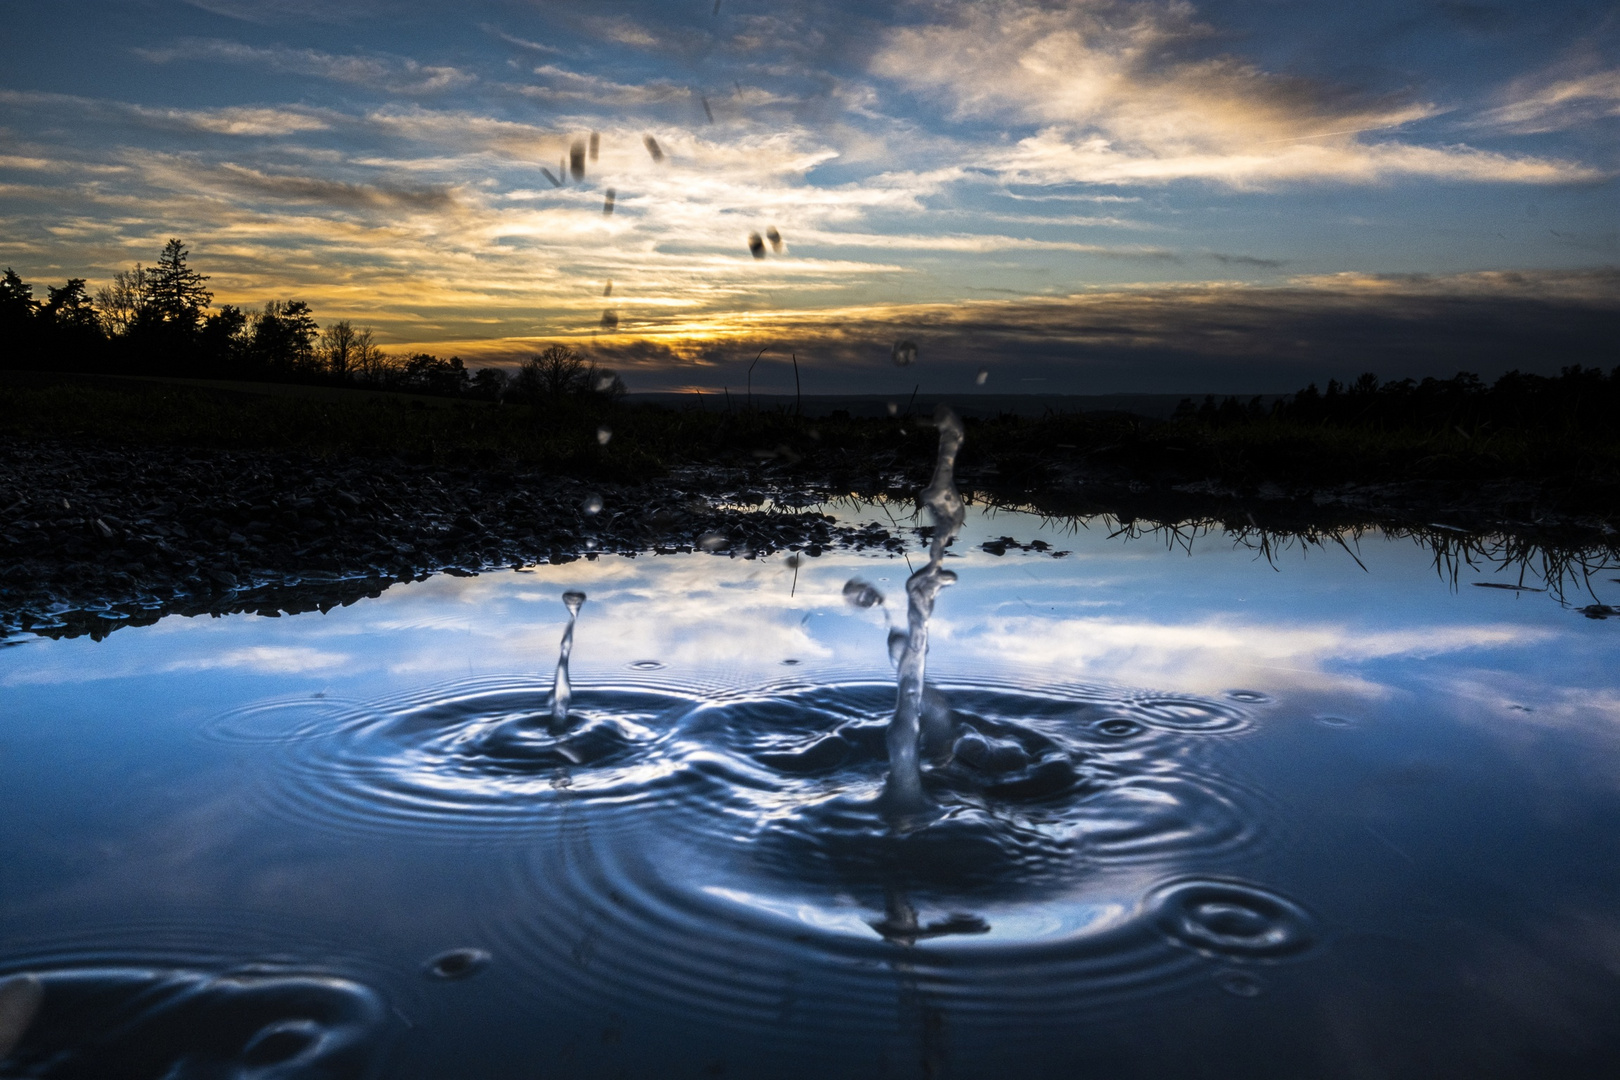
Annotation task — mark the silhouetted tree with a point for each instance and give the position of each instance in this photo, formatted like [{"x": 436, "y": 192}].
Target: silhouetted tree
[
  {"x": 119, "y": 304},
  {"x": 432, "y": 375},
  {"x": 368, "y": 362},
  {"x": 338, "y": 349},
  {"x": 174, "y": 293},
  {"x": 17, "y": 329},
  {"x": 226, "y": 341},
  {"x": 284, "y": 336},
  {"x": 557, "y": 371},
  {"x": 488, "y": 383},
  {"x": 69, "y": 310}
]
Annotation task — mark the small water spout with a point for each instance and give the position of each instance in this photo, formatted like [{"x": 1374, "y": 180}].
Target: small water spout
[
  {"x": 903, "y": 792},
  {"x": 561, "y": 692}
]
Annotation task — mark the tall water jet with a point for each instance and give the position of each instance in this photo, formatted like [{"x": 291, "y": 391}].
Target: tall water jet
[
  {"x": 561, "y": 692},
  {"x": 903, "y": 793}
]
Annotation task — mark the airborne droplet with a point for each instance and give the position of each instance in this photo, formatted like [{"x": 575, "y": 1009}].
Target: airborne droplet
[
  {"x": 603, "y": 434},
  {"x": 607, "y": 202},
  {"x": 712, "y": 541},
  {"x": 982, "y": 377},
  {"x": 904, "y": 353},
  {"x": 576, "y": 159},
  {"x": 607, "y": 290},
  {"x": 861, "y": 594},
  {"x": 756, "y": 245},
  {"x": 775, "y": 238},
  {"x": 596, "y": 144},
  {"x": 592, "y": 504},
  {"x": 653, "y": 148}
]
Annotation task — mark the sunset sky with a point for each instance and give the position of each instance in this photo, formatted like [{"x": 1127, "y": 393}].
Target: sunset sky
[{"x": 1078, "y": 196}]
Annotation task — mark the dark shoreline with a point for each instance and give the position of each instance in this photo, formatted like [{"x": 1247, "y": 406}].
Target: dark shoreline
[{"x": 94, "y": 537}]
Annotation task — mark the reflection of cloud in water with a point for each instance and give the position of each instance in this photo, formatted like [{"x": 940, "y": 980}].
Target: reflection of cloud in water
[{"x": 1212, "y": 654}]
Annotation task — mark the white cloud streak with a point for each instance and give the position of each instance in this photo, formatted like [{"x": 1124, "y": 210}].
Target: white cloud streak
[
  {"x": 1119, "y": 98},
  {"x": 395, "y": 74}
]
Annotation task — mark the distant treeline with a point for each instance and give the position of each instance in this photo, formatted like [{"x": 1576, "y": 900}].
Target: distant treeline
[
  {"x": 1582, "y": 399},
  {"x": 157, "y": 320}
]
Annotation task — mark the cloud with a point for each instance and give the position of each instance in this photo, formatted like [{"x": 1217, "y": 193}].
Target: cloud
[
  {"x": 245, "y": 120},
  {"x": 395, "y": 74},
  {"x": 332, "y": 192},
  {"x": 1119, "y": 94},
  {"x": 564, "y": 85},
  {"x": 1547, "y": 103},
  {"x": 1208, "y": 337},
  {"x": 522, "y": 43}
]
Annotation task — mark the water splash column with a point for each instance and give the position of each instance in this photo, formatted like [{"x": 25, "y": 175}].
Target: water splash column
[
  {"x": 903, "y": 792},
  {"x": 561, "y": 692}
]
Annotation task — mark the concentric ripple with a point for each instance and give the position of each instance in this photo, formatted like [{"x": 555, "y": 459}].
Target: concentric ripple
[
  {"x": 469, "y": 757},
  {"x": 729, "y": 852},
  {"x": 1233, "y": 919}
]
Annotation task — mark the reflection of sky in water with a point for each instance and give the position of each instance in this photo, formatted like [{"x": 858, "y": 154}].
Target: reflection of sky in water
[
  {"x": 1428, "y": 773},
  {"x": 1114, "y": 611}
]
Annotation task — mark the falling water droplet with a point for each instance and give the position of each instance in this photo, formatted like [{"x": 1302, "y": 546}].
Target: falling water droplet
[
  {"x": 756, "y": 245},
  {"x": 982, "y": 377},
  {"x": 712, "y": 541},
  {"x": 561, "y": 692},
  {"x": 592, "y": 504},
  {"x": 607, "y": 202},
  {"x": 603, "y": 434},
  {"x": 20, "y": 998},
  {"x": 596, "y": 144},
  {"x": 607, "y": 290},
  {"x": 904, "y": 353},
  {"x": 894, "y": 408},
  {"x": 605, "y": 381},
  {"x": 775, "y": 238},
  {"x": 653, "y": 148},
  {"x": 576, "y": 159},
  {"x": 610, "y": 319}
]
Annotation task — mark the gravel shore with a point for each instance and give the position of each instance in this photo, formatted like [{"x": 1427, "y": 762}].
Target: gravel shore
[{"x": 93, "y": 538}]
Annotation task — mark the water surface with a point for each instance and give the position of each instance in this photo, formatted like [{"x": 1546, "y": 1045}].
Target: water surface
[{"x": 1202, "y": 815}]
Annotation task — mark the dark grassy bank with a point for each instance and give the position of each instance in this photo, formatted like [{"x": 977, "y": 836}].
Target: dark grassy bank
[{"x": 125, "y": 499}]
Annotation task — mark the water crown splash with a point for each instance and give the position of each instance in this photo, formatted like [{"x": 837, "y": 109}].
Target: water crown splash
[
  {"x": 561, "y": 692},
  {"x": 903, "y": 793}
]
